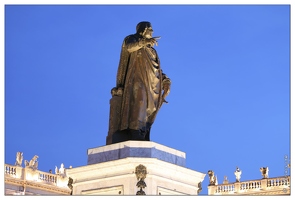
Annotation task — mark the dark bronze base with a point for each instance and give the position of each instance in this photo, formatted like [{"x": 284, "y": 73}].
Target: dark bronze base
[{"x": 129, "y": 134}]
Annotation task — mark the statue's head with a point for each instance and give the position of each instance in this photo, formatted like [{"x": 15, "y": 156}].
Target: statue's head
[{"x": 145, "y": 29}]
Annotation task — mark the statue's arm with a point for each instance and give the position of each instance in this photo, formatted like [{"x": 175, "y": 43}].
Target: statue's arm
[{"x": 131, "y": 43}]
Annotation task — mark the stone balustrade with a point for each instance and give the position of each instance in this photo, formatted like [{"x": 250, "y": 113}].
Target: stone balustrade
[
  {"x": 250, "y": 187},
  {"x": 279, "y": 181},
  {"x": 29, "y": 174},
  {"x": 225, "y": 188},
  {"x": 48, "y": 178},
  {"x": 10, "y": 170}
]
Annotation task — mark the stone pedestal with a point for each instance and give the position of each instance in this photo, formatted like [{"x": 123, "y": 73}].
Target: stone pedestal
[{"x": 113, "y": 170}]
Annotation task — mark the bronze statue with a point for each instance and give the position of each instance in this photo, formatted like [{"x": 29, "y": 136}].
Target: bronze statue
[{"x": 141, "y": 88}]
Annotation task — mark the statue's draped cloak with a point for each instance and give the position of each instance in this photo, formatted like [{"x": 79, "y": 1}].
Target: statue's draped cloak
[{"x": 140, "y": 76}]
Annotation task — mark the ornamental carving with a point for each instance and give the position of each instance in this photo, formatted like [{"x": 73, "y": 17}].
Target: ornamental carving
[{"x": 140, "y": 172}]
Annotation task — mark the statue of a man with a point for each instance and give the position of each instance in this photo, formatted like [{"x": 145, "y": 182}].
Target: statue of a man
[{"x": 141, "y": 84}]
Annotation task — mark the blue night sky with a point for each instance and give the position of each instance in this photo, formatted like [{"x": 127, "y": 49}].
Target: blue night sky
[{"x": 229, "y": 103}]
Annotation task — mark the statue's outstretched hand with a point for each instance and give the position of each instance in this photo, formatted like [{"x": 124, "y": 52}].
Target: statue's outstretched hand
[{"x": 151, "y": 41}]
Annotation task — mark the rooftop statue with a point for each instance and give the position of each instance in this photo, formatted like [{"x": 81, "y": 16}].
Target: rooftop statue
[
  {"x": 238, "y": 173},
  {"x": 264, "y": 172},
  {"x": 33, "y": 163},
  {"x": 141, "y": 88},
  {"x": 212, "y": 178},
  {"x": 19, "y": 159}
]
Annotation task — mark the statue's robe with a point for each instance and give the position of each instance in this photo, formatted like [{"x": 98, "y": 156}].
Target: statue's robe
[{"x": 140, "y": 76}]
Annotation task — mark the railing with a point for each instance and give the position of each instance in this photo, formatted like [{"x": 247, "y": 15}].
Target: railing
[
  {"x": 29, "y": 174},
  {"x": 225, "y": 188},
  {"x": 249, "y": 185},
  {"x": 48, "y": 178},
  {"x": 253, "y": 186},
  {"x": 280, "y": 181},
  {"x": 9, "y": 170}
]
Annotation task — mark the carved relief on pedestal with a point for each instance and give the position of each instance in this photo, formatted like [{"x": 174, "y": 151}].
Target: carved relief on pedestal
[{"x": 140, "y": 172}]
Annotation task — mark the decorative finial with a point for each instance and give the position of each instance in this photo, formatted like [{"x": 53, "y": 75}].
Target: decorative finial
[{"x": 225, "y": 180}]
